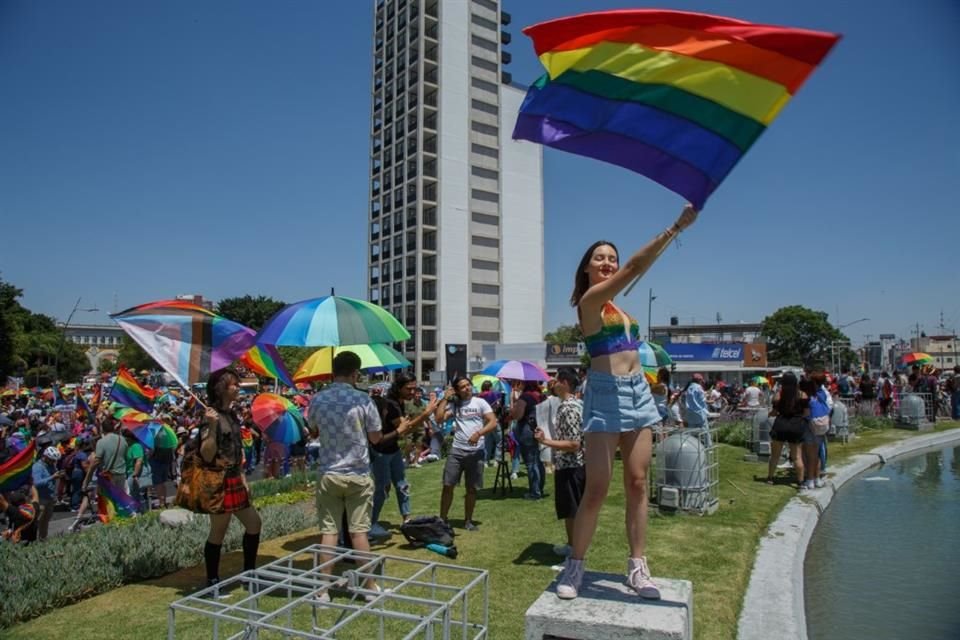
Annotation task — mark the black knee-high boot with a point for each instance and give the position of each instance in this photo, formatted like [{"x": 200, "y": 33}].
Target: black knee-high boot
[
  {"x": 251, "y": 542},
  {"x": 211, "y": 556}
]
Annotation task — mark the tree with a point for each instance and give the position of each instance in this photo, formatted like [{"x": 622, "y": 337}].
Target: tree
[
  {"x": 107, "y": 365},
  {"x": 133, "y": 357},
  {"x": 249, "y": 311},
  {"x": 564, "y": 334},
  {"x": 797, "y": 335},
  {"x": 9, "y": 363}
]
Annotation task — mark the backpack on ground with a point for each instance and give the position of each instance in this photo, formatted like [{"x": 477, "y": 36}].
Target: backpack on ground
[{"x": 424, "y": 530}]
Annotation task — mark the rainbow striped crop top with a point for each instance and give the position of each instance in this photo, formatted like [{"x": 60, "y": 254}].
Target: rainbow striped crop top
[{"x": 620, "y": 332}]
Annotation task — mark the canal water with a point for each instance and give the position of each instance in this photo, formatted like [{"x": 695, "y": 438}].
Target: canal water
[{"x": 884, "y": 560}]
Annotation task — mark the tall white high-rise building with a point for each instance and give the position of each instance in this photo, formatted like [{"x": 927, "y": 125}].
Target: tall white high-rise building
[{"x": 456, "y": 206}]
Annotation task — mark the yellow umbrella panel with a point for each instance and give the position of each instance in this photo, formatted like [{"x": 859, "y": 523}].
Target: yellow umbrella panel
[{"x": 373, "y": 357}]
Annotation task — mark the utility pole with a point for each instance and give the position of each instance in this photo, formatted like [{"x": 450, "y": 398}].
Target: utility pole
[{"x": 650, "y": 299}]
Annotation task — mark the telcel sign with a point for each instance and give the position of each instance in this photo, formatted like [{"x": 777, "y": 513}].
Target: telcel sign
[{"x": 681, "y": 352}]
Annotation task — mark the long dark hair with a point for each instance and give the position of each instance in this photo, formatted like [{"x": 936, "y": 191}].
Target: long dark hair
[
  {"x": 789, "y": 392},
  {"x": 216, "y": 385},
  {"x": 402, "y": 380},
  {"x": 581, "y": 281}
]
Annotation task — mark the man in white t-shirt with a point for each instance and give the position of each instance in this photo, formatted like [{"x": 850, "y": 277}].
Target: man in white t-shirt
[
  {"x": 472, "y": 419},
  {"x": 751, "y": 396}
]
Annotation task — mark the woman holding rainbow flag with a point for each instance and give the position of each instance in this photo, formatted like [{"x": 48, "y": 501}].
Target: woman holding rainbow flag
[
  {"x": 618, "y": 407},
  {"x": 221, "y": 444}
]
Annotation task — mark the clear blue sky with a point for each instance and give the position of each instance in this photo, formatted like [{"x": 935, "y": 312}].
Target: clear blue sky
[{"x": 149, "y": 149}]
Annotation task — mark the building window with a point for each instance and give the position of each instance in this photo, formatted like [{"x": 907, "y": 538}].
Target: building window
[
  {"x": 484, "y": 241},
  {"x": 486, "y": 65},
  {"x": 483, "y": 22},
  {"x": 483, "y": 85},
  {"x": 485, "y": 107},
  {"x": 429, "y": 339},
  {"x": 485, "y": 218},
  {"x": 485, "y": 336},
  {"x": 485, "y": 312},
  {"x": 486, "y": 265},
  {"x": 429, "y": 289},
  {"x": 486, "y": 4},
  {"x": 489, "y": 174},
  {"x": 428, "y": 314},
  {"x": 485, "y": 129},
  {"x": 484, "y": 43},
  {"x": 484, "y": 150},
  {"x": 429, "y": 265},
  {"x": 486, "y": 196},
  {"x": 488, "y": 289}
]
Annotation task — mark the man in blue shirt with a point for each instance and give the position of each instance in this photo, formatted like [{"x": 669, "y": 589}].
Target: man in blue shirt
[{"x": 45, "y": 477}]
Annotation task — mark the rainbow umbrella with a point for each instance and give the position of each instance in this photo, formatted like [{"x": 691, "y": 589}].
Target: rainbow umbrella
[
  {"x": 917, "y": 357},
  {"x": 6, "y": 393},
  {"x": 331, "y": 321},
  {"x": 498, "y": 384},
  {"x": 164, "y": 437},
  {"x": 515, "y": 370},
  {"x": 652, "y": 357},
  {"x": 131, "y": 416},
  {"x": 278, "y": 418},
  {"x": 761, "y": 380},
  {"x": 373, "y": 358}
]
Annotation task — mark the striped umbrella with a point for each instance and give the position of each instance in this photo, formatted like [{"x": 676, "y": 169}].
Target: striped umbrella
[
  {"x": 332, "y": 321},
  {"x": 515, "y": 370},
  {"x": 917, "y": 357},
  {"x": 374, "y": 358},
  {"x": 278, "y": 418},
  {"x": 652, "y": 357}
]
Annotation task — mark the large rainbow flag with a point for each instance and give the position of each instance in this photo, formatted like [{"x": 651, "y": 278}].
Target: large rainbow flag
[
  {"x": 15, "y": 472},
  {"x": 185, "y": 339},
  {"x": 676, "y": 96},
  {"x": 128, "y": 392},
  {"x": 113, "y": 502},
  {"x": 265, "y": 360}
]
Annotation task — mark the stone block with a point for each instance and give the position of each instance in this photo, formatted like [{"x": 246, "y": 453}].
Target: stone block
[
  {"x": 607, "y": 609},
  {"x": 175, "y": 517}
]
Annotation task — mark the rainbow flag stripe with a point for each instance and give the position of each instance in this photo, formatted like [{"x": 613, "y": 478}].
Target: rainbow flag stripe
[
  {"x": 676, "y": 96},
  {"x": 265, "y": 360},
  {"x": 127, "y": 391},
  {"x": 15, "y": 472},
  {"x": 95, "y": 400},
  {"x": 83, "y": 409},
  {"x": 113, "y": 502}
]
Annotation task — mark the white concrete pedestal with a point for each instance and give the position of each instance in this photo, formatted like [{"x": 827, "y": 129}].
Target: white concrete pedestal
[{"x": 607, "y": 609}]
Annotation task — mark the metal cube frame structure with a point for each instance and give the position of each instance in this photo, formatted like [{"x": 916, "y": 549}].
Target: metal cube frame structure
[
  {"x": 698, "y": 491},
  {"x": 284, "y": 599}
]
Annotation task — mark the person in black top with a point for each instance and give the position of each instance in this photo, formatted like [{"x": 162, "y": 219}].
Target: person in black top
[
  {"x": 220, "y": 444},
  {"x": 791, "y": 407},
  {"x": 524, "y": 411},
  {"x": 21, "y": 508}
]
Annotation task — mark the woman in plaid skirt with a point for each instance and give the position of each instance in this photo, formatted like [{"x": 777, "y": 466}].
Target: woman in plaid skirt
[{"x": 221, "y": 444}]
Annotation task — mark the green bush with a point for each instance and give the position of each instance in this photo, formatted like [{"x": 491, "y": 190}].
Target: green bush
[
  {"x": 736, "y": 434},
  {"x": 64, "y": 569},
  {"x": 273, "y": 486}
]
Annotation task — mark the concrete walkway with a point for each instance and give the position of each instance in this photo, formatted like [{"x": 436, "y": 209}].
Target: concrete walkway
[{"x": 773, "y": 606}]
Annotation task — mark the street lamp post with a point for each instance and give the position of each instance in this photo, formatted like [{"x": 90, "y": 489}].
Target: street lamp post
[
  {"x": 650, "y": 300},
  {"x": 63, "y": 336},
  {"x": 835, "y": 365}
]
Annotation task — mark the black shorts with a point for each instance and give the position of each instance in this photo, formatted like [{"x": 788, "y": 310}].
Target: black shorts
[
  {"x": 568, "y": 491},
  {"x": 298, "y": 449},
  {"x": 461, "y": 462}
]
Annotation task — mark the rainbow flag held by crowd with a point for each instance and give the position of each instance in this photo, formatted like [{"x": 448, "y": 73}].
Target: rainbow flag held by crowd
[
  {"x": 113, "y": 502},
  {"x": 97, "y": 396},
  {"x": 186, "y": 340},
  {"x": 83, "y": 409},
  {"x": 265, "y": 360},
  {"x": 57, "y": 395},
  {"x": 15, "y": 472},
  {"x": 127, "y": 391},
  {"x": 676, "y": 96}
]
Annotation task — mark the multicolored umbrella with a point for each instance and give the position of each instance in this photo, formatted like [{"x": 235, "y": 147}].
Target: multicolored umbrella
[
  {"x": 187, "y": 340},
  {"x": 374, "y": 358},
  {"x": 278, "y": 418},
  {"x": 131, "y": 416},
  {"x": 154, "y": 434},
  {"x": 332, "y": 321},
  {"x": 761, "y": 380},
  {"x": 515, "y": 370},
  {"x": 652, "y": 357},
  {"x": 917, "y": 357}
]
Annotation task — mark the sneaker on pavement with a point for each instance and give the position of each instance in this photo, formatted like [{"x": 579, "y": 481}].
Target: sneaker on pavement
[
  {"x": 569, "y": 585},
  {"x": 638, "y": 577},
  {"x": 819, "y": 484},
  {"x": 469, "y": 526},
  {"x": 562, "y": 550}
]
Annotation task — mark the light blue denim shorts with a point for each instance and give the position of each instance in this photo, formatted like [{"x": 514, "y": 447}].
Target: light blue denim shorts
[{"x": 615, "y": 404}]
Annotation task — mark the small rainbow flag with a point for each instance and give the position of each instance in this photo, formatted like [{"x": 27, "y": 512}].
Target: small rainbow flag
[
  {"x": 676, "y": 96},
  {"x": 97, "y": 396},
  {"x": 265, "y": 360},
  {"x": 113, "y": 502},
  {"x": 15, "y": 472},
  {"x": 83, "y": 409},
  {"x": 57, "y": 395},
  {"x": 127, "y": 391}
]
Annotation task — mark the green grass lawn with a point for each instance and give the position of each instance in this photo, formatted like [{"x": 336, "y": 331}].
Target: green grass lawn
[{"x": 514, "y": 544}]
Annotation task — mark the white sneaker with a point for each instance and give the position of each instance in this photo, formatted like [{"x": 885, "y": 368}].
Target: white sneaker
[
  {"x": 819, "y": 484},
  {"x": 513, "y": 476},
  {"x": 570, "y": 579},
  {"x": 562, "y": 550},
  {"x": 638, "y": 577}
]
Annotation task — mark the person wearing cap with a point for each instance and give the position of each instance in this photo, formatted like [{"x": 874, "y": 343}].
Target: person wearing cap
[{"x": 45, "y": 477}]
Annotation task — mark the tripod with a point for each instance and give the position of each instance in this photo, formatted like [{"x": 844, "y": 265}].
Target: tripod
[{"x": 502, "y": 480}]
